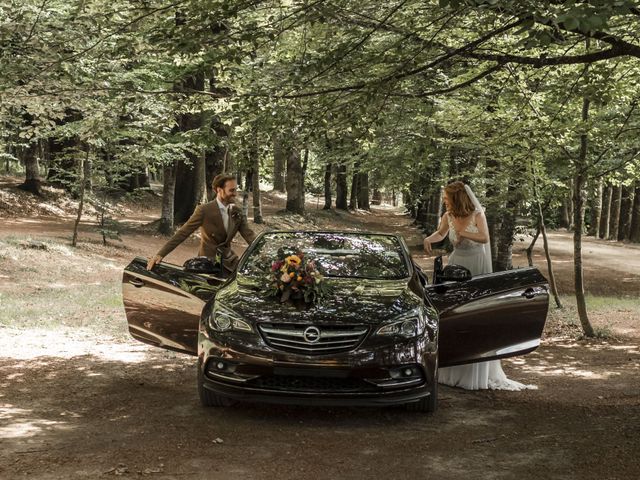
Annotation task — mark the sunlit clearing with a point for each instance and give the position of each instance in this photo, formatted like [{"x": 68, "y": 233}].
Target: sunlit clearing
[
  {"x": 546, "y": 370},
  {"x": 18, "y": 423},
  {"x": 64, "y": 344}
]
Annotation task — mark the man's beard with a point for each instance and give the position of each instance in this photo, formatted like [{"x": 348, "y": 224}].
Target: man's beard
[{"x": 227, "y": 199}]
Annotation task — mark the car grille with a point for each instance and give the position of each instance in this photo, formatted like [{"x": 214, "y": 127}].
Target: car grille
[
  {"x": 332, "y": 339},
  {"x": 313, "y": 384}
]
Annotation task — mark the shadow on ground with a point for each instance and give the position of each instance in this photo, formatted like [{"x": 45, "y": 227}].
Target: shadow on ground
[{"x": 93, "y": 415}]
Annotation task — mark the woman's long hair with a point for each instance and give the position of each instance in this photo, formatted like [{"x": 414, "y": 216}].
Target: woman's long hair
[{"x": 460, "y": 205}]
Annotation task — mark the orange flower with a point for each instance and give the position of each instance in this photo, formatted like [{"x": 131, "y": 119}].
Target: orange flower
[{"x": 293, "y": 260}]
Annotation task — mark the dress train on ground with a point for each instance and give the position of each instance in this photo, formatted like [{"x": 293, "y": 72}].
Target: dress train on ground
[{"x": 480, "y": 376}]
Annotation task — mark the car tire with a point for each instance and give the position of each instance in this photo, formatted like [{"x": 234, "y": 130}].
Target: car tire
[
  {"x": 209, "y": 398},
  {"x": 426, "y": 404}
]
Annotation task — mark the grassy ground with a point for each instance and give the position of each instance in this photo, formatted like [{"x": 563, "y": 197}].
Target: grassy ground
[{"x": 46, "y": 284}]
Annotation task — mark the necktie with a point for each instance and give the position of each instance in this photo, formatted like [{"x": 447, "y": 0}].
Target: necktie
[{"x": 224, "y": 211}]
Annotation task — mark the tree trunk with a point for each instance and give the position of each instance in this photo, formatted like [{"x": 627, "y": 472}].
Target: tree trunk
[
  {"x": 353, "y": 199},
  {"x": 595, "y": 204},
  {"x": 10, "y": 151},
  {"x": 191, "y": 174},
  {"x": 614, "y": 214},
  {"x": 626, "y": 205},
  {"x": 200, "y": 180},
  {"x": 215, "y": 157},
  {"x": 492, "y": 168},
  {"x": 295, "y": 183},
  {"x": 248, "y": 175},
  {"x": 88, "y": 173},
  {"x": 327, "y": 186},
  {"x": 255, "y": 179},
  {"x": 529, "y": 249},
  {"x": 634, "y": 230},
  {"x": 506, "y": 232},
  {"x": 305, "y": 162},
  {"x": 552, "y": 278},
  {"x": 376, "y": 197},
  {"x": 565, "y": 219},
  {"x": 279, "y": 163},
  {"x": 82, "y": 183},
  {"x": 421, "y": 209},
  {"x": 363, "y": 191},
  {"x": 32, "y": 181},
  {"x": 245, "y": 203},
  {"x": 436, "y": 208},
  {"x": 130, "y": 182},
  {"x": 341, "y": 187},
  {"x": 605, "y": 214},
  {"x": 184, "y": 203},
  {"x": 229, "y": 161},
  {"x": 543, "y": 230},
  {"x": 578, "y": 220},
  {"x": 143, "y": 179},
  {"x": 168, "y": 195},
  {"x": 214, "y": 165},
  {"x": 508, "y": 221}
]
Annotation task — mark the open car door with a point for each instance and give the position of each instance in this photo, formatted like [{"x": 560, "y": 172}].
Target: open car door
[
  {"x": 163, "y": 306},
  {"x": 490, "y": 316}
]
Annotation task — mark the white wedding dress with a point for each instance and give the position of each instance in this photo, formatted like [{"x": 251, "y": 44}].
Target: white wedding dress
[{"x": 483, "y": 375}]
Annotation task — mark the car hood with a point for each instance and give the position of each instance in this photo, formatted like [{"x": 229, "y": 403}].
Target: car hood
[{"x": 350, "y": 302}]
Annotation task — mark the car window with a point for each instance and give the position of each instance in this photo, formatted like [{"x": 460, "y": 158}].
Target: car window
[{"x": 353, "y": 255}]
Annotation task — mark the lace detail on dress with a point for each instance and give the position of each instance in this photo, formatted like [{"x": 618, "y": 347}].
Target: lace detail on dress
[{"x": 472, "y": 227}]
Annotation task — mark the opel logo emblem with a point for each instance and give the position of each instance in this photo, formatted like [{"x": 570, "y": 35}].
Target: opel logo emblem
[{"x": 311, "y": 334}]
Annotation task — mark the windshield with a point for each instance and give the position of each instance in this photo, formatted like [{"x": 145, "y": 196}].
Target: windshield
[{"x": 354, "y": 255}]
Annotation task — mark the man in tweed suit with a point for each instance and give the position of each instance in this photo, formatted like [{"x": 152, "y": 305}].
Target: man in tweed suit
[{"x": 219, "y": 221}]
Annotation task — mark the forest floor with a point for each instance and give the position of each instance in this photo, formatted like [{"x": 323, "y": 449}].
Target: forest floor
[{"x": 80, "y": 399}]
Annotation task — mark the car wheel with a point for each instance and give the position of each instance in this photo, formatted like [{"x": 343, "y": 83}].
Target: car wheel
[
  {"x": 209, "y": 398},
  {"x": 426, "y": 404}
]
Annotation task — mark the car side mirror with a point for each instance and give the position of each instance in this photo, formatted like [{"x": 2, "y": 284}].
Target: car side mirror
[
  {"x": 204, "y": 265},
  {"x": 455, "y": 273}
]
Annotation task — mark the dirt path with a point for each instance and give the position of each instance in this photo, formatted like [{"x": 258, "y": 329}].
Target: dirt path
[{"x": 86, "y": 401}]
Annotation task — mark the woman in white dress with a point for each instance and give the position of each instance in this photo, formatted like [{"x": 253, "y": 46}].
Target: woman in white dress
[{"x": 465, "y": 223}]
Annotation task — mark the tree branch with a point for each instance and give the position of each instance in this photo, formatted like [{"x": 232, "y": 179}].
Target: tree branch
[
  {"x": 636, "y": 152},
  {"x": 634, "y": 104},
  {"x": 458, "y": 86},
  {"x": 625, "y": 47},
  {"x": 408, "y": 73},
  {"x": 35, "y": 23},
  {"x": 543, "y": 61},
  {"x": 353, "y": 48}
]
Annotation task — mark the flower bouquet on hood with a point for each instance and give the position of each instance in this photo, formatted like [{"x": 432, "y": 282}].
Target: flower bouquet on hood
[{"x": 292, "y": 276}]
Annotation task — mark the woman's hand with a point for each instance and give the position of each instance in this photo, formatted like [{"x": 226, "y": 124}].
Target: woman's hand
[{"x": 427, "y": 246}]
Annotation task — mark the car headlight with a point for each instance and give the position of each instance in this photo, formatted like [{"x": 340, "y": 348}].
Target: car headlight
[
  {"x": 223, "y": 319},
  {"x": 408, "y": 325}
]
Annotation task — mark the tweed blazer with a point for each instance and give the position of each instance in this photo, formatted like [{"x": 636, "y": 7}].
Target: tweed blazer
[{"x": 213, "y": 236}]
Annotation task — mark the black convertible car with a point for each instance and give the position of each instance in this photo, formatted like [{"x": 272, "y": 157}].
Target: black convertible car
[{"x": 378, "y": 338}]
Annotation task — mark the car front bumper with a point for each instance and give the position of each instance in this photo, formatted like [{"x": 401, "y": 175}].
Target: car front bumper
[{"x": 385, "y": 373}]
